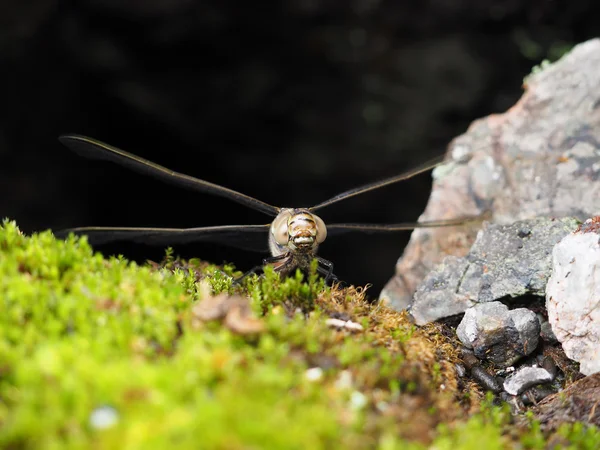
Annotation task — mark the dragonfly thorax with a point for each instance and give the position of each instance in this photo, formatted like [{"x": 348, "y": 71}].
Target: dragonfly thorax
[{"x": 296, "y": 230}]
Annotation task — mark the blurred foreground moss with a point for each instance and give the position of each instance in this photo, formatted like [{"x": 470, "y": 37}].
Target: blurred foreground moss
[{"x": 103, "y": 353}]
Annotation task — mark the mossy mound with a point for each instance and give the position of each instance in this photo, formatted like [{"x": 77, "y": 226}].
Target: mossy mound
[{"x": 103, "y": 353}]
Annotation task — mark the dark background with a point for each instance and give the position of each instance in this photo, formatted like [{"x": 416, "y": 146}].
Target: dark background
[{"x": 288, "y": 101}]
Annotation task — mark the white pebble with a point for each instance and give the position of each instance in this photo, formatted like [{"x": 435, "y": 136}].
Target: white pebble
[
  {"x": 103, "y": 417},
  {"x": 314, "y": 374}
]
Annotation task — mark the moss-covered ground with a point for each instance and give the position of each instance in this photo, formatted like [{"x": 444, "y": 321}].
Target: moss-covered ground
[{"x": 103, "y": 353}]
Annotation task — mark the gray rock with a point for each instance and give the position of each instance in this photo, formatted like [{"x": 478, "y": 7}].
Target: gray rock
[
  {"x": 486, "y": 380},
  {"x": 573, "y": 296},
  {"x": 526, "y": 377},
  {"x": 546, "y": 332},
  {"x": 536, "y": 394},
  {"x": 103, "y": 417},
  {"x": 437, "y": 295},
  {"x": 481, "y": 322},
  {"x": 528, "y": 327},
  {"x": 505, "y": 261},
  {"x": 496, "y": 333},
  {"x": 539, "y": 158},
  {"x": 578, "y": 402}
]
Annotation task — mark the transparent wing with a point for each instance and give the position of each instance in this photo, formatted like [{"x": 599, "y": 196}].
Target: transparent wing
[
  {"x": 246, "y": 237},
  {"x": 94, "y": 149},
  {"x": 341, "y": 228},
  {"x": 378, "y": 184}
]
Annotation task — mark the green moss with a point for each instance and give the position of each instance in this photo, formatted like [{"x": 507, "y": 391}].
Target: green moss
[
  {"x": 579, "y": 436},
  {"x": 534, "y": 51},
  {"x": 81, "y": 334},
  {"x": 292, "y": 292}
]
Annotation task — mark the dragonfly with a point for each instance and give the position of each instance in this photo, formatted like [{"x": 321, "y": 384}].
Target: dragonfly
[{"x": 292, "y": 237}]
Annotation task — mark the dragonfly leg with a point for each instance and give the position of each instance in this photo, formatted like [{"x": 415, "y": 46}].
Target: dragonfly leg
[
  {"x": 329, "y": 276},
  {"x": 248, "y": 273},
  {"x": 326, "y": 276},
  {"x": 255, "y": 269}
]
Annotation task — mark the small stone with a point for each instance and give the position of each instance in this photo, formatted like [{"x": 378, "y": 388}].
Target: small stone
[
  {"x": 358, "y": 400},
  {"x": 524, "y": 378},
  {"x": 536, "y": 394},
  {"x": 497, "y": 334},
  {"x": 469, "y": 358},
  {"x": 314, "y": 374},
  {"x": 528, "y": 327},
  {"x": 486, "y": 379},
  {"x": 347, "y": 324},
  {"x": 546, "y": 332},
  {"x": 104, "y": 417}
]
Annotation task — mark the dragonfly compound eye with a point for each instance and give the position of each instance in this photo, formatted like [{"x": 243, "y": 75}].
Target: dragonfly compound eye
[
  {"x": 321, "y": 229},
  {"x": 279, "y": 228}
]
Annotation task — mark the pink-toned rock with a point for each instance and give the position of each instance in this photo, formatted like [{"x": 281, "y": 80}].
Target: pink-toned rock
[
  {"x": 540, "y": 158},
  {"x": 573, "y": 295}
]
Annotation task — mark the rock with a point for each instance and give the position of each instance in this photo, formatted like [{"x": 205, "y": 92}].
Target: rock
[
  {"x": 103, "y": 417},
  {"x": 528, "y": 327},
  {"x": 344, "y": 324},
  {"x": 496, "y": 333},
  {"x": 536, "y": 394},
  {"x": 484, "y": 378},
  {"x": 537, "y": 159},
  {"x": 549, "y": 364},
  {"x": 546, "y": 332},
  {"x": 573, "y": 296},
  {"x": 314, "y": 374},
  {"x": 526, "y": 377},
  {"x": 505, "y": 261},
  {"x": 576, "y": 403},
  {"x": 437, "y": 295}
]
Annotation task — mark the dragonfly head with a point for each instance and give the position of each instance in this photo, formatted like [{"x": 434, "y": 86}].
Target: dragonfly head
[{"x": 296, "y": 230}]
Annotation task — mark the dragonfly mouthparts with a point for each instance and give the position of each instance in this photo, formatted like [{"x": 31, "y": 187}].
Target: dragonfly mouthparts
[{"x": 303, "y": 240}]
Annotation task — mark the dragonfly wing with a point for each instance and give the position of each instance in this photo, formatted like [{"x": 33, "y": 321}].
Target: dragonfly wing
[
  {"x": 381, "y": 183},
  {"x": 341, "y": 228},
  {"x": 94, "y": 149},
  {"x": 246, "y": 237}
]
